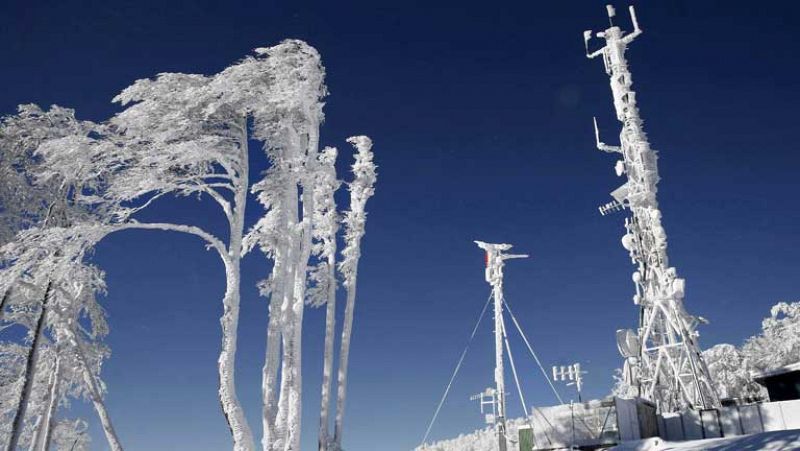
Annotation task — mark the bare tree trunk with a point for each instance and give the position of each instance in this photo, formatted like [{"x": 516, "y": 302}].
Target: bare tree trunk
[
  {"x": 3, "y": 303},
  {"x": 234, "y": 414},
  {"x": 95, "y": 393},
  {"x": 327, "y": 367},
  {"x": 43, "y": 434},
  {"x": 344, "y": 357},
  {"x": 272, "y": 414},
  {"x": 102, "y": 413},
  {"x": 30, "y": 373},
  {"x": 300, "y": 282},
  {"x": 287, "y": 316},
  {"x": 295, "y": 354},
  {"x": 269, "y": 373},
  {"x": 287, "y": 362}
]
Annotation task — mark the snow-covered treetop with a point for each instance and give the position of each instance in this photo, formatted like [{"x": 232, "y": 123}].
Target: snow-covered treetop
[
  {"x": 325, "y": 224},
  {"x": 53, "y": 256},
  {"x": 42, "y": 167},
  {"x": 361, "y": 189},
  {"x": 778, "y": 344},
  {"x": 291, "y": 114},
  {"x": 297, "y": 88},
  {"x": 285, "y": 120},
  {"x": 177, "y": 139}
]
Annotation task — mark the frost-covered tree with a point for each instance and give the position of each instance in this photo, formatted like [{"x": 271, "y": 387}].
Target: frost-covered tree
[
  {"x": 361, "y": 189},
  {"x": 479, "y": 440},
  {"x": 71, "y": 435},
  {"x": 731, "y": 372},
  {"x": 67, "y": 184},
  {"x": 290, "y": 131},
  {"x": 24, "y": 203},
  {"x": 298, "y": 233},
  {"x": 778, "y": 344},
  {"x": 41, "y": 266},
  {"x": 13, "y": 358},
  {"x": 70, "y": 322},
  {"x": 180, "y": 137},
  {"x": 621, "y": 387},
  {"x": 323, "y": 275}
]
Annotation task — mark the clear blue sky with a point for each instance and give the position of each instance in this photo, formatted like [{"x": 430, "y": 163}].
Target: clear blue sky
[{"x": 481, "y": 116}]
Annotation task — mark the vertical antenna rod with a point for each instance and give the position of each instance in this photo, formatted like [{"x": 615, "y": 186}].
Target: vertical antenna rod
[
  {"x": 665, "y": 360},
  {"x": 495, "y": 260}
]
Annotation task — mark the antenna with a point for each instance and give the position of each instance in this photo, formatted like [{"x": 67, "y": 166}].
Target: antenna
[
  {"x": 487, "y": 397},
  {"x": 587, "y": 35},
  {"x": 611, "y": 14},
  {"x": 636, "y": 29},
  {"x": 610, "y": 207},
  {"x": 495, "y": 261},
  {"x": 665, "y": 360},
  {"x": 570, "y": 373},
  {"x": 601, "y": 145}
]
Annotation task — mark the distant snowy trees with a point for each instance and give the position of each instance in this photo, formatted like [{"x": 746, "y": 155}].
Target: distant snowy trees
[
  {"x": 47, "y": 288},
  {"x": 731, "y": 372},
  {"x": 479, "y": 440},
  {"x": 776, "y": 346},
  {"x": 66, "y": 184}
]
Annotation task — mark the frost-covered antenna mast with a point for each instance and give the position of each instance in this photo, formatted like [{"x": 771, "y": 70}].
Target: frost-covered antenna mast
[
  {"x": 495, "y": 260},
  {"x": 662, "y": 358},
  {"x": 571, "y": 373}
]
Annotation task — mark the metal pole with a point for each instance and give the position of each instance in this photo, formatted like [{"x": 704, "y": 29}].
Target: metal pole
[{"x": 495, "y": 258}]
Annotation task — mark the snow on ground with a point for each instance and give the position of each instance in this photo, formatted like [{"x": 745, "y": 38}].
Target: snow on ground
[
  {"x": 765, "y": 441},
  {"x": 479, "y": 440}
]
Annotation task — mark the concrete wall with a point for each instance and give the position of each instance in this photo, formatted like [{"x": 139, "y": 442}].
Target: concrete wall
[
  {"x": 585, "y": 424},
  {"x": 730, "y": 421}
]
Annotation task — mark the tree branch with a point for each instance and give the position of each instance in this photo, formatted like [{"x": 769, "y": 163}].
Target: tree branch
[
  {"x": 210, "y": 239},
  {"x": 226, "y": 206}
]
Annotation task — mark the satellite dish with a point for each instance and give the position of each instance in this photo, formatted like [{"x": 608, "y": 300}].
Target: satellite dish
[{"x": 628, "y": 343}]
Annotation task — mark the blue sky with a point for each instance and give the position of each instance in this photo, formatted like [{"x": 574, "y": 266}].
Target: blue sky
[{"x": 481, "y": 116}]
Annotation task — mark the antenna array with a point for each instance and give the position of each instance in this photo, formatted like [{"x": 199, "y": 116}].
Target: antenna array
[{"x": 667, "y": 366}]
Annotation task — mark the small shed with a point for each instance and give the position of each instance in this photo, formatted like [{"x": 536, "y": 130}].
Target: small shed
[{"x": 783, "y": 384}]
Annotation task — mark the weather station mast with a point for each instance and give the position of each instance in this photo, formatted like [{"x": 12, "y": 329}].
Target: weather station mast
[
  {"x": 662, "y": 357},
  {"x": 495, "y": 261}
]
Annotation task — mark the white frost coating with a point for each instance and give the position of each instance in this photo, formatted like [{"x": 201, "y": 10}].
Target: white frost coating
[
  {"x": 731, "y": 370},
  {"x": 289, "y": 125},
  {"x": 361, "y": 189},
  {"x": 495, "y": 261},
  {"x": 479, "y": 440},
  {"x": 778, "y": 344},
  {"x": 51, "y": 254},
  {"x": 323, "y": 275},
  {"x": 669, "y": 368},
  {"x": 187, "y": 134},
  {"x": 41, "y": 437},
  {"x": 57, "y": 220}
]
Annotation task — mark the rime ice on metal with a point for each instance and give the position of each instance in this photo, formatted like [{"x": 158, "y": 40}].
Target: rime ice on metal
[
  {"x": 662, "y": 358},
  {"x": 495, "y": 260}
]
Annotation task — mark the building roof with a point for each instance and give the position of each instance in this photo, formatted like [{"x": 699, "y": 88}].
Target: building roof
[{"x": 777, "y": 372}]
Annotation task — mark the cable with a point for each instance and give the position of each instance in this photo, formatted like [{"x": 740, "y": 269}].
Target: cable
[
  {"x": 516, "y": 379},
  {"x": 530, "y": 348},
  {"x": 455, "y": 372}
]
